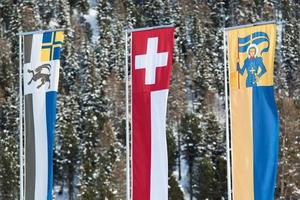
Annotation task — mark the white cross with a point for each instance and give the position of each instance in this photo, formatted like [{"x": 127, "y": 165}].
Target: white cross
[
  {"x": 252, "y": 70},
  {"x": 151, "y": 60}
]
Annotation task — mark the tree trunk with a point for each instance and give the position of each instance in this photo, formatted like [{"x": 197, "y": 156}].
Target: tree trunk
[
  {"x": 179, "y": 152},
  {"x": 191, "y": 180},
  {"x": 283, "y": 164}
]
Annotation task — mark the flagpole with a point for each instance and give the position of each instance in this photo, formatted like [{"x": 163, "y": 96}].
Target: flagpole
[
  {"x": 227, "y": 121},
  {"x": 40, "y": 31},
  {"x": 238, "y": 52},
  {"x": 251, "y": 25},
  {"x": 149, "y": 28},
  {"x": 131, "y": 124},
  {"x": 21, "y": 119},
  {"x": 127, "y": 121}
]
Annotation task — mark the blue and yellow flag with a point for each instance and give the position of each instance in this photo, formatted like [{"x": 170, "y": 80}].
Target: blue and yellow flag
[
  {"x": 41, "y": 74},
  {"x": 254, "y": 116},
  {"x": 51, "y": 45}
]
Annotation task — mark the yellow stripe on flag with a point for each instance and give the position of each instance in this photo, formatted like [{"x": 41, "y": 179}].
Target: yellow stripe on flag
[{"x": 242, "y": 144}]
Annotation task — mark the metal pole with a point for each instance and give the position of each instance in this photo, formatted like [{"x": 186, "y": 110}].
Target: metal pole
[
  {"x": 148, "y": 28},
  {"x": 130, "y": 114},
  {"x": 127, "y": 122},
  {"x": 39, "y": 31},
  {"x": 21, "y": 119},
  {"x": 227, "y": 121},
  {"x": 251, "y": 25}
]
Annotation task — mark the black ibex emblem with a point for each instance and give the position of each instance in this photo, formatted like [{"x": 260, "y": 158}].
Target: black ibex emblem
[{"x": 37, "y": 74}]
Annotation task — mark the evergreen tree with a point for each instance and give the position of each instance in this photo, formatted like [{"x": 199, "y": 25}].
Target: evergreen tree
[
  {"x": 90, "y": 133},
  {"x": 221, "y": 178},
  {"x": 175, "y": 192},
  {"x": 46, "y": 11},
  {"x": 9, "y": 127},
  {"x": 176, "y": 109},
  {"x": 218, "y": 16},
  {"x": 287, "y": 179},
  {"x": 152, "y": 12},
  {"x": 204, "y": 181},
  {"x": 69, "y": 115},
  {"x": 191, "y": 137},
  {"x": 81, "y": 5}
]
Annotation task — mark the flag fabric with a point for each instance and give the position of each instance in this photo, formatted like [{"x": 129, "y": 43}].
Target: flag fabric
[
  {"x": 254, "y": 115},
  {"x": 152, "y": 53},
  {"x": 41, "y": 73}
]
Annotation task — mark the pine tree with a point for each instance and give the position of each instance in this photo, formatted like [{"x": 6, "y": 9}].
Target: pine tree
[
  {"x": 290, "y": 50},
  {"x": 81, "y": 5},
  {"x": 288, "y": 73},
  {"x": 213, "y": 145},
  {"x": 175, "y": 192},
  {"x": 178, "y": 21},
  {"x": 9, "y": 127},
  {"x": 152, "y": 12},
  {"x": 218, "y": 16},
  {"x": 191, "y": 137},
  {"x": 201, "y": 65},
  {"x": 99, "y": 151},
  {"x": 90, "y": 138},
  {"x": 177, "y": 108},
  {"x": 92, "y": 120},
  {"x": 221, "y": 178},
  {"x": 204, "y": 181},
  {"x": 288, "y": 176},
  {"x": 174, "y": 189},
  {"x": 46, "y": 12},
  {"x": 67, "y": 147}
]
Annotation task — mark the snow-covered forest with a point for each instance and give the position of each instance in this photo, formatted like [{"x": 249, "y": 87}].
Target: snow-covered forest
[{"x": 89, "y": 161}]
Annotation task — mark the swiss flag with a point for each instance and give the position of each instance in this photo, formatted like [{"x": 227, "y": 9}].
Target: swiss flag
[{"x": 152, "y": 54}]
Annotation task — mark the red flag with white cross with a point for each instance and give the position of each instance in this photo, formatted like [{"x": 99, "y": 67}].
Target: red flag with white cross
[{"x": 152, "y": 54}]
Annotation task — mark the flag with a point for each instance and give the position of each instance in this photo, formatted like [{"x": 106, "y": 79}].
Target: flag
[
  {"x": 41, "y": 73},
  {"x": 152, "y": 52},
  {"x": 254, "y": 115}
]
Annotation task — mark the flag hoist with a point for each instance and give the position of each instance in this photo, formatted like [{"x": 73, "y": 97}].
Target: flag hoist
[
  {"x": 151, "y": 64},
  {"x": 254, "y": 139},
  {"x": 39, "y": 68}
]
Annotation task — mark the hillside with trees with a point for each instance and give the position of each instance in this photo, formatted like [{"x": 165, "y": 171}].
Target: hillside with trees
[{"x": 89, "y": 162}]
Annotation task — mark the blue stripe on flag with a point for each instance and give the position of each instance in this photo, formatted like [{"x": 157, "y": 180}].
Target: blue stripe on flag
[
  {"x": 51, "y": 116},
  {"x": 244, "y": 39},
  {"x": 260, "y": 40},
  {"x": 243, "y": 48},
  {"x": 265, "y": 139},
  {"x": 260, "y": 34},
  {"x": 258, "y": 37}
]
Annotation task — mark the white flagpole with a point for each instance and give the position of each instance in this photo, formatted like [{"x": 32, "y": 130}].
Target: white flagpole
[
  {"x": 227, "y": 121},
  {"x": 40, "y": 31},
  {"x": 21, "y": 119},
  {"x": 148, "y": 28},
  {"x": 127, "y": 121},
  {"x": 251, "y": 25}
]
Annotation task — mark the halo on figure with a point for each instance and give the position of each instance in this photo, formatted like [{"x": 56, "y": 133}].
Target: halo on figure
[{"x": 252, "y": 46}]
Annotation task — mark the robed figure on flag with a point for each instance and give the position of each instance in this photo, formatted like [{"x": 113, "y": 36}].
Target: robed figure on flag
[
  {"x": 254, "y": 115},
  {"x": 152, "y": 52},
  {"x": 40, "y": 71}
]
